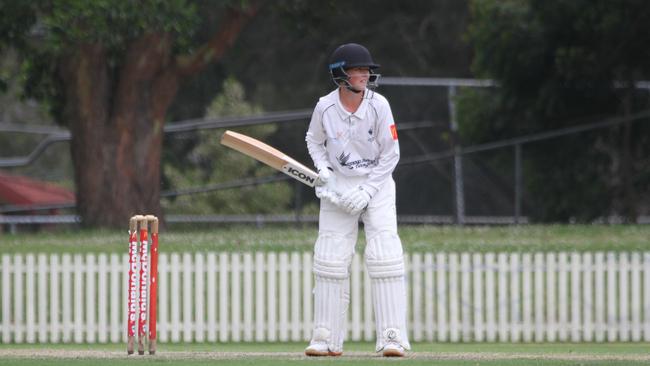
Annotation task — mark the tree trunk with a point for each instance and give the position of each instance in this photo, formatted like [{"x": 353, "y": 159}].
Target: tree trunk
[
  {"x": 116, "y": 139},
  {"x": 116, "y": 118},
  {"x": 86, "y": 94}
]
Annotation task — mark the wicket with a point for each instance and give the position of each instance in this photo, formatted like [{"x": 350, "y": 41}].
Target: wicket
[{"x": 138, "y": 273}]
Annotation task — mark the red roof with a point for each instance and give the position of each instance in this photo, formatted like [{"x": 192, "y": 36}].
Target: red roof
[{"x": 21, "y": 190}]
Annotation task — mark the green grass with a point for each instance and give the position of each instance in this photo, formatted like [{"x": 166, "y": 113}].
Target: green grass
[
  {"x": 281, "y": 362},
  {"x": 423, "y": 354},
  {"x": 298, "y": 347},
  {"x": 415, "y": 238}
]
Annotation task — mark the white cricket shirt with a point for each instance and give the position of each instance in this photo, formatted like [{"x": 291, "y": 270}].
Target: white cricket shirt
[{"x": 355, "y": 144}]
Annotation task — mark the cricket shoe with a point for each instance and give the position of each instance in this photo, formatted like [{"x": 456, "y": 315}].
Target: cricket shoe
[
  {"x": 393, "y": 350},
  {"x": 320, "y": 348}
]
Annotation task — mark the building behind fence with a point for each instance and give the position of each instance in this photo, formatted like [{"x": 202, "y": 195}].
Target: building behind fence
[{"x": 267, "y": 297}]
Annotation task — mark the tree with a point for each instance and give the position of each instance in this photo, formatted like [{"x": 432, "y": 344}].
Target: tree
[
  {"x": 54, "y": 164},
  {"x": 208, "y": 162},
  {"x": 563, "y": 63},
  {"x": 110, "y": 70}
]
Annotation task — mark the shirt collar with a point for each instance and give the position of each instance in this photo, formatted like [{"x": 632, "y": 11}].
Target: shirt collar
[{"x": 360, "y": 113}]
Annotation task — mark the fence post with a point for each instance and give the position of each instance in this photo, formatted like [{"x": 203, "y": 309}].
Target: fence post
[
  {"x": 429, "y": 296},
  {"x": 623, "y": 318},
  {"x": 248, "y": 296},
  {"x": 199, "y": 307},
  {"x": 187, "y": 270},
  {"x": 635, "y": 292},
  {"x": 587, "y": 298},
  {"x": 459, "y": 190},
  {"x": 443, "y": 296},
  {"x": 599, "y": 296},
  {"x": 6, "y": 299},
  {"x": 477, "y": 282},
  {"x": 454, "y": 299},
  {"x": 42, "y": 298},
  {"x": 551, "y": 308},
  {"x": 235, "y": 296},
  {"x": 503, "y": 302},
  {"x": 490, "y": 296},
  {"x": 576, "y": 316},
  {"x": 518, "y": 183},
  {"x": 515, "y": 298},
  {"x": 646, "y": 296},
  {"x": 612, "y": 288},
  {"x": 224, "y": 269},
  {"x": 260, "y": 286},
  {"x": 539, "y": 268}
]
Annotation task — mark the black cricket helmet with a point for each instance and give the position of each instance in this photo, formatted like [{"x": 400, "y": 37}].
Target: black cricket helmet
[{"x": 348, "y": 56}]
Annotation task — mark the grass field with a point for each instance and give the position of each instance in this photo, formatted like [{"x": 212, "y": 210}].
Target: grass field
[
  {"x": 414, "y": 238},
  {"x": 354, "y": 354}
]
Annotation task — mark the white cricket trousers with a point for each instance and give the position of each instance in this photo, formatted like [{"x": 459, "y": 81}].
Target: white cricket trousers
[{"x": 333, "y": 251}]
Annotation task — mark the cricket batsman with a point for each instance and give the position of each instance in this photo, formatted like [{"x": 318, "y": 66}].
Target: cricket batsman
[{"x": 352, "y": 140}]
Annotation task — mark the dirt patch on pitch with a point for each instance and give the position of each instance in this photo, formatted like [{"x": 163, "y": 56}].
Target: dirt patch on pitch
[{"x": 470, "y": 356}]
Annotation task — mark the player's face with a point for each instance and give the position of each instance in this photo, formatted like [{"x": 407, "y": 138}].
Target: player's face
[{"x": 358, "y": 77}]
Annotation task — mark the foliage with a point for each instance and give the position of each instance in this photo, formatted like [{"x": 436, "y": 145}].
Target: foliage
[
  {"x": 54, "y": 164},
  {"x": 16, "y": 17},
  {"x": 560, "y": 64},
  {"x": 115, "y": 23},
  {"x": 208, "y": 162},
  {"x": 59, "y": 27}
]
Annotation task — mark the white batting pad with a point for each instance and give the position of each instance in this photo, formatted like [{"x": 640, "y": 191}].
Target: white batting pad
[
  {"x": 385, "y": 265},
  {"x": 331, "y": 294}
]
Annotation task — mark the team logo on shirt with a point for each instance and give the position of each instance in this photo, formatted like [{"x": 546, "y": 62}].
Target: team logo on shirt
[
  {"x": 371, "y": 137},
  {"x": 393, "y": 131},
  {"x": 344, "y": 160}
]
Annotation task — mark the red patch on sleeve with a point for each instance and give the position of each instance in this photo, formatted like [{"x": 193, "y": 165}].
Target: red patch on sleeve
[{"x": 393, "y": 131}]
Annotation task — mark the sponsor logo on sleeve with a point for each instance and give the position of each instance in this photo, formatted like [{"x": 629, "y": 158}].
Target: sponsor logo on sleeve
[{"x": 393, "y": 131}]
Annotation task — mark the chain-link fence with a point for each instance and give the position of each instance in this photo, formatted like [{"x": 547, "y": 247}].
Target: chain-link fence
[{"x": 440, "y": 179}]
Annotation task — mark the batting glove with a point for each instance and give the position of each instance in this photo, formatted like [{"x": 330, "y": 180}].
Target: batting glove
[
  {"x": 327, "y": 194},
  {"x": 324, "y": 175},
  {"x": 355, "y": 200},
  {"x": 330, "y": 192}
]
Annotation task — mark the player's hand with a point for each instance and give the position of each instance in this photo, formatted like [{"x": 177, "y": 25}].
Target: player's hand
[
  {"x": 324, "y": 193},
  {"x": 324, "y": 175},
  {"x": 355, "y": 200},
  {"x": 321, "y": 191},
  {"x": 330, "y": 192}
]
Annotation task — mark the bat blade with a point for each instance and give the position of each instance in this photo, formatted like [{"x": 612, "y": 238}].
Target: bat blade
[{"x": 270, "y": 156}]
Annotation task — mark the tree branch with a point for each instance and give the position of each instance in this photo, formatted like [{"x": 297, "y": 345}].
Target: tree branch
[{"x": 215, "y": 48}]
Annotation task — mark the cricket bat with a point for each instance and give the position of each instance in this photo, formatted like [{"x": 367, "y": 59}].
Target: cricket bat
[{"x": 270, "y": 156}]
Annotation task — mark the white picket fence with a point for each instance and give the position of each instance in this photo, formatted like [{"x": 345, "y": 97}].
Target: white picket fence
[{"x": 210, "y": 297}]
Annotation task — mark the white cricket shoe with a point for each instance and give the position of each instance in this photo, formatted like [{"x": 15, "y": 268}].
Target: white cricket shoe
[
  {"x": 393, "y": 350},
  {"x": 320, "y": 348}
]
